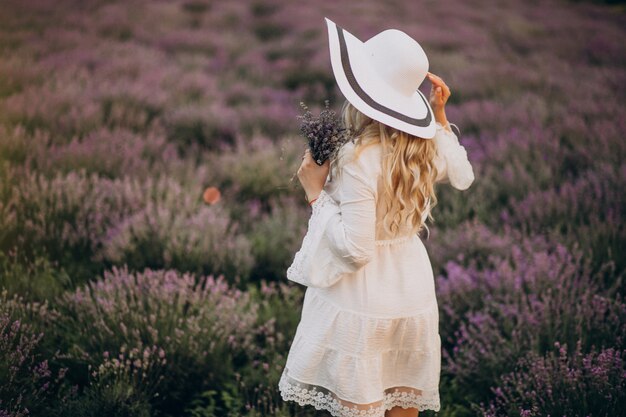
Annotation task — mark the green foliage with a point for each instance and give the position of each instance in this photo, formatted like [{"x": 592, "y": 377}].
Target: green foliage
[
  {"x": 116, "y": 399},
  {"x": 275, "y": 237},
  {"x": 36, "y": 279},
  {"x": 267, "y": 31}
]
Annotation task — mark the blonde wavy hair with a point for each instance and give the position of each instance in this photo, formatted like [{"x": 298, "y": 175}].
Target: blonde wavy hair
[{"x": 408, "y": 170}]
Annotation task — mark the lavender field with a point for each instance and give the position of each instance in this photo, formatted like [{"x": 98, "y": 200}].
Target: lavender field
[{"x": 130, "y": 287}]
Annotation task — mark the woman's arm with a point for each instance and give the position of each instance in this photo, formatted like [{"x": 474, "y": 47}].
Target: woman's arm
[
  {"x": 341, "y": 237},
  {"x": 452, "y": 161},
  {"x": 350, "y": 233}
]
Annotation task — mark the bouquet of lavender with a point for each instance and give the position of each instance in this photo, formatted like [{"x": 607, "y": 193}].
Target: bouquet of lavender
[{"x": 325, "y": 134}]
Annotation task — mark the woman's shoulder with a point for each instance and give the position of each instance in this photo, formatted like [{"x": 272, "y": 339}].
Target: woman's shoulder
[
  {"x": 364, "y": 153},
  {"x": 363, "y": 160}
]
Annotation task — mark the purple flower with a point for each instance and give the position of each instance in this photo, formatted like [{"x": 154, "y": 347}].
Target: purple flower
[{"x": 325, "y": 134}]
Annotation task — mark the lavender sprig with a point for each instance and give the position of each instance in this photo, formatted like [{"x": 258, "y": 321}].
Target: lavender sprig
[{"x": 325, "y": 134}]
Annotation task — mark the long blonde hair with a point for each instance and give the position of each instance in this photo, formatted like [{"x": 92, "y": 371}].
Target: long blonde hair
[{"x": 408, "y": 170}]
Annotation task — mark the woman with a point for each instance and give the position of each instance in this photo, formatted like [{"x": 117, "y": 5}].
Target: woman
[{"x": 368, "y": 342}]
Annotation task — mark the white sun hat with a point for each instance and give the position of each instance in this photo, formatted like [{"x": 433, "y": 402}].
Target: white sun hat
[{"x": 381, "y": 78}]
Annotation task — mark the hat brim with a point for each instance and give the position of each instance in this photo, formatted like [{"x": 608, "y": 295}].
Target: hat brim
[{"x": 369, "y": 93}]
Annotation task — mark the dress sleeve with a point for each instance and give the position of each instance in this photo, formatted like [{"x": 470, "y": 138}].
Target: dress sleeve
[
  {"x": 452, "y": 161},
  {"x": 341, "y": 236}
]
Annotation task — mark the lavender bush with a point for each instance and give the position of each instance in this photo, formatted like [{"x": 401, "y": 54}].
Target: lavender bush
[
  {"x": 116, "y": 116},
  {"x": 30, "y": 383},
  {"x": 523, "y": 305},
  {"x": 151, "y": 223},
  {"x": 121, "y": 385},
  {"x": 587, "y": 210},
  {"x": 563, "y": 382},
  {"x": 258, "y": 169},
  {"x": 198, "y": 322}
]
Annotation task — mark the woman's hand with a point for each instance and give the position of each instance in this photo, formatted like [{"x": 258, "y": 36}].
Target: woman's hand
[
  {"x": 439, "y": 95},
  {"x": 312, "y": 176}
]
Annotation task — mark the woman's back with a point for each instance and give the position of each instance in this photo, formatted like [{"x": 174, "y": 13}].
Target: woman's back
[{"x": 367, "y": 164}]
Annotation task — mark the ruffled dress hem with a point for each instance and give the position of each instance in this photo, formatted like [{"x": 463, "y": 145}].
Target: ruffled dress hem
[{"x": 323, "y": 399}]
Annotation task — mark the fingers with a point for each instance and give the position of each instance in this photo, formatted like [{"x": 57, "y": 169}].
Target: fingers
[
  {"x": 442, "y": 95},
  {"x": 435, "y": 79},
  {"x": 438, "y": 82},
  {"x": 443, "y": 87},
  {"x": 437, "y": 92},
  {"x": 446, "y": 92},
  {"x": 307, "y": 159},
  {"x": 438, "y": 97},
  {"x": 310, "y": 169}
]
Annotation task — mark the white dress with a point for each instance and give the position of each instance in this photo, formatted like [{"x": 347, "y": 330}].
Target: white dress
[{"x": 368, "y": 338}]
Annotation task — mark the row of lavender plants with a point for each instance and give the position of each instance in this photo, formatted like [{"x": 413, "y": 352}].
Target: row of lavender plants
[{"x": 125, "y": 292}]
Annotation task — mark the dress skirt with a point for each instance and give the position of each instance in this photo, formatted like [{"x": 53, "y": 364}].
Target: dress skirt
[{"x": 371, "y": 341}]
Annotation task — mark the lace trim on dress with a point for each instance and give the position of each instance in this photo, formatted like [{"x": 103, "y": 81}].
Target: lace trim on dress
[
  {"x": 323, "y": 399},
  {"x": 323, "y": 199}
]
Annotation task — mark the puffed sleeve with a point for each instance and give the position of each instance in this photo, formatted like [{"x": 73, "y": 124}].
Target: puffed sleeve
[
  {"x": 452, "y": 161},
  {"x": 341, "y": 236}
]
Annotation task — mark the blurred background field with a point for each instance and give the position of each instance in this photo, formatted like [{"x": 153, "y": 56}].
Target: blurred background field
[{"x": 124, "y": 293}]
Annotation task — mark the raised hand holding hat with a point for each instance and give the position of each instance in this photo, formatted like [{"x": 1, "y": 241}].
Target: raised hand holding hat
[{"x": 439, "y": 95}]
